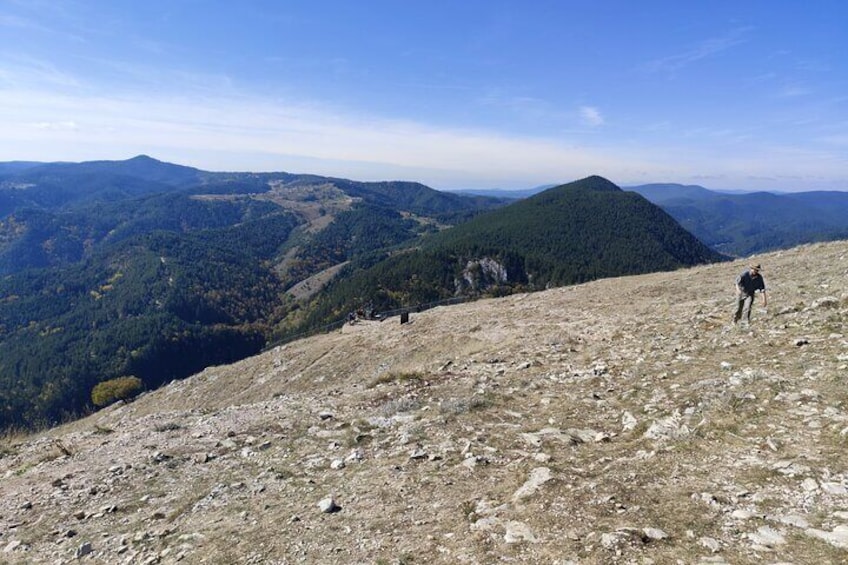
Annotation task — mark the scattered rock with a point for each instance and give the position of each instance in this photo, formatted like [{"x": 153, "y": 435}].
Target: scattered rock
[
  {"x": 531, "y": 457},
  {"x": 569, "y": 436},
  {"x": 13, "y": 545},
  {"x": 518, "y": 532},
  {"x": 794, "y": 520},
  {"x": 355, "y": 455},
  {"x": 671, "y": 427},
  {"x": 538, "y": 477},
  {"x": 837, "y": 489},
  {"x": 418, "y": 454},
  {"x": 654, "y": 534},
  {"x": 741, "y": 514},
  {"x": 328, "y": 505},
  {"x": 710, "y": 543},
  {"x": 809, "y": 485},
  {"x": 766, "y": 537},
  {"x": 84, "y": 550},
  {"x": 837, "y": 538},
  {"x": 628, "y": 422}
]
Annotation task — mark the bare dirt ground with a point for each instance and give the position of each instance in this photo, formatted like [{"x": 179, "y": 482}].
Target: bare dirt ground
[{"x": 621, "y": 421}]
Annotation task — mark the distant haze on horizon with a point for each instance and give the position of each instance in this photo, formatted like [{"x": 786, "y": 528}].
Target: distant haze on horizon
[{"x": 456, "y": 95}]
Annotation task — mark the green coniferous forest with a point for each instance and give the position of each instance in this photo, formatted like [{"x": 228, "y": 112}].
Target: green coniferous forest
[
  {"x": 570, "y": 234},
  {"x": 144, "y": 269},
  {"x": 159, "y": 306},
  {"x": 105, "y": 274}
]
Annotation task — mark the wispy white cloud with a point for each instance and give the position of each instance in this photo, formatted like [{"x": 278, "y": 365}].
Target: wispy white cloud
[
  {"x": 525, "y": 107},
  {"x": 702, "y": 50},
  {"x": 837, "y": 140},
  {"x": 240, "y": 128},
  {"x": 19, "y": 22},
  {"x": 591, "y": 116},
  {"x": 21, "y": 71},
  {"x": 36, "y": 24},
  {"x": 813, "y": 66},
  {"x": 794, "y": 91},
  {"x": 225, "y": 130},
  {"x": 64, "y": 125}
]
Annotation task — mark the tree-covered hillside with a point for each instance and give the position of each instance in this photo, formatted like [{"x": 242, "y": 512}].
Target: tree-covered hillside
[
  {"x": 744, "y": 224},
  {"x": 569, "y": 234},
  {"x": 147, "y": 269},
  {"x": 159, "y": 306},
  {"x": 34, "y": 238},
  {"x": 581, "y": 231}
]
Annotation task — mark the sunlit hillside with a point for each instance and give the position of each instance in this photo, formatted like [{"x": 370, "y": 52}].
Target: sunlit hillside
[{"x": 619, "y": 421}]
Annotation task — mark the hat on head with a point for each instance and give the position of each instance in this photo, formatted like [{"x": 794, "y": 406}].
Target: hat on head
[{"x": 756, "y": 266}]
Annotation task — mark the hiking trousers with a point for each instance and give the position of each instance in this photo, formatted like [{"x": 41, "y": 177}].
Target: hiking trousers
[{"x": 744, "y": 304}]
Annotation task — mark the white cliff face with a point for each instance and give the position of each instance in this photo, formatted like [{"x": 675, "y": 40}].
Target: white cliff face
[
  {"x": 482, "y": 274},
  {"x": 621, "y": 421}
]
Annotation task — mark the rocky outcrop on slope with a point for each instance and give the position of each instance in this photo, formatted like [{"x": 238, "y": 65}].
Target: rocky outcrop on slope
[{"x": 621, "y": 421}]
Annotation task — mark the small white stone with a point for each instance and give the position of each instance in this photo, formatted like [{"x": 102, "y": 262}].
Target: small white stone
[
  {"x": 518, "y": 532},
  {"x": 809, "y": 485},
  {"x": 710, "y": 543},
  {"x": 654, "y": 534},
  {"x": 538, "y": 477},
  {"x": 742, "y": 514},
  {"x": 328, "y": 505},
  {"x": 794, "y": 520},
  {"x": 837, "y": 538},
  {"x": 834, "y": 488},
  {"x": 628, "y": 422},
  {"x": 767, "y": 537},
  {"x": 355, "y": 455}
]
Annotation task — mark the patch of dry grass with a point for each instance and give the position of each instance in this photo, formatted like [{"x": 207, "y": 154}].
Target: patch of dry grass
[
  {"x": 403, "y": 377},
  {"x": 10, "y": 441}
]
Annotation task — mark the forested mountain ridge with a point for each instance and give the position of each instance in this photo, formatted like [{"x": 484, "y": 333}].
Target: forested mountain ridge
[
  {"x": 156, "y": 270},
  {"x": 742, "y": 224},
  {"x": 57, "y": 213},
  {"x": 581, "y": 231},
  {"x": 149, "y": 269}
]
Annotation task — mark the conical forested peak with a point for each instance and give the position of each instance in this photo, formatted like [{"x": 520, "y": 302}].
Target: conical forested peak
[
  {"x": 573, "y": 233},
  {"x": 595, "y": 183},
  {"x": 144, "y": 159}
]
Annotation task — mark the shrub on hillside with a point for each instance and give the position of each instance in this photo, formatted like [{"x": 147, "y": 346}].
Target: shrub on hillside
[{"x": 122, "y": 388}]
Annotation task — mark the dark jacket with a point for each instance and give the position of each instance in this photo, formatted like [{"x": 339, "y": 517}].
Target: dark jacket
[{"x": 750, "y": 284}]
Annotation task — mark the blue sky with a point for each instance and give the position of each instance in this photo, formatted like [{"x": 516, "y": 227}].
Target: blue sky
[{"x": 749, "y": 95}]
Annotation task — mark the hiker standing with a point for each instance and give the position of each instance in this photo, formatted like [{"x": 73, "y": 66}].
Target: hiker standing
[{"x": 748, "y": 283}]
